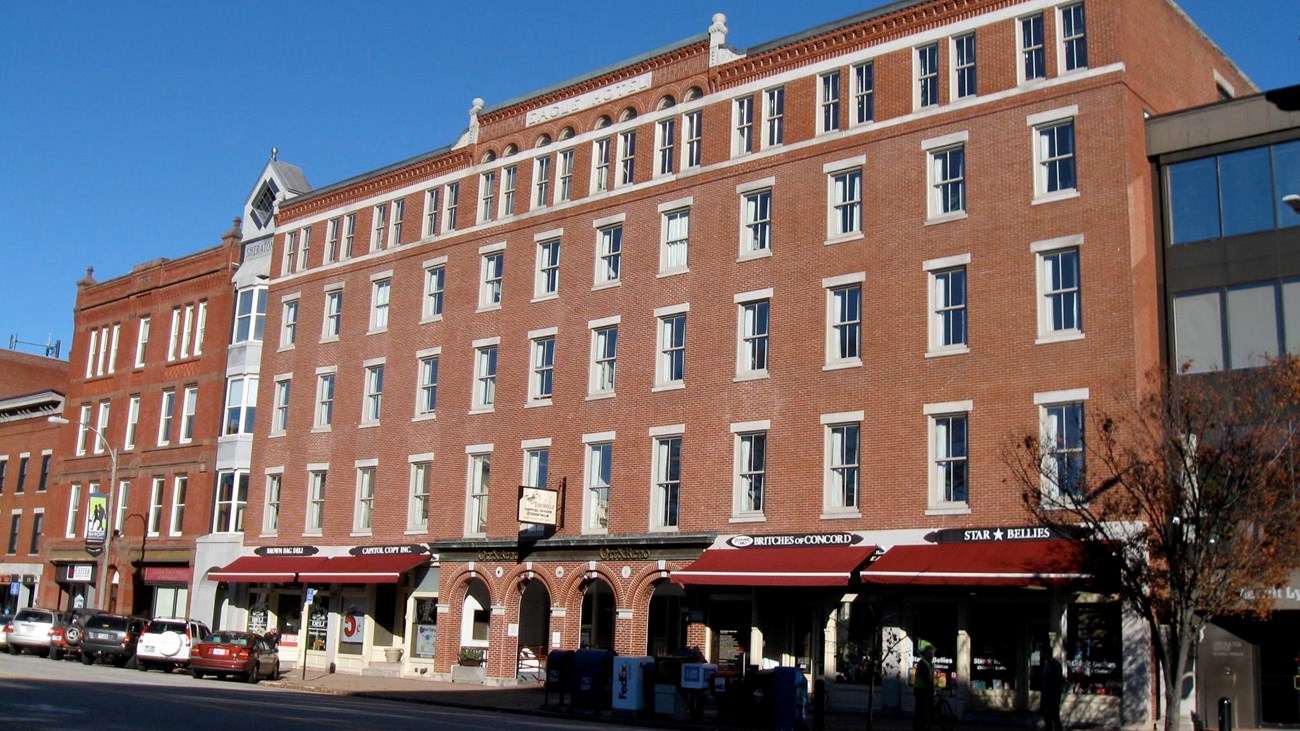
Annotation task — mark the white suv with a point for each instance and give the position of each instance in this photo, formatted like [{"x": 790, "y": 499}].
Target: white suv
[
  {"x": 166, "y": 643},
  {"x": 30, "y": 630}
]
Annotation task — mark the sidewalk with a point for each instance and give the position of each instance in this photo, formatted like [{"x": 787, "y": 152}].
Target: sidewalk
[{"x": 531, "y": 700}]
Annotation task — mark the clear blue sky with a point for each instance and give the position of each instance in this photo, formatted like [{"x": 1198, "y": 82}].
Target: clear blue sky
[{"x": 133, "y": 130}]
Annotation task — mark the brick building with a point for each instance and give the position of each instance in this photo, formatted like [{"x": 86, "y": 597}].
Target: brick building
[
  {"x": 32, "y": 391},
  {"x": 145, "y": 390},
  {"x": 761, "y": 321}
]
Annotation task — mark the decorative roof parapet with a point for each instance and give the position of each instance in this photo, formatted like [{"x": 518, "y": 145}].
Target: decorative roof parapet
[{"x": 719, "y": 51}]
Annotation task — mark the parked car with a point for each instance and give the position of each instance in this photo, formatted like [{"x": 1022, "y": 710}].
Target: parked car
[
  {"x": 228, "y": 652},
  {"x": 166, "y": 643},
  {"x": 67, "y": 632},
  {"x": 111, "y": 637},
  {"x": 30, "y": 630}
]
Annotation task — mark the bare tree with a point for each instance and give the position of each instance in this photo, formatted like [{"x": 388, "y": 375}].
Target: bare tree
[{"x": 1185, "y": 498}]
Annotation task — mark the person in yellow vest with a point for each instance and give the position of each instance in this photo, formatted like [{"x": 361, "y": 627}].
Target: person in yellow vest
[{"x": 923, "y": 688}]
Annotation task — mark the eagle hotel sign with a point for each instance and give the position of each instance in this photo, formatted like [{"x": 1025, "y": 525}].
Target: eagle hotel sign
[{"x": 593, "y": 98}]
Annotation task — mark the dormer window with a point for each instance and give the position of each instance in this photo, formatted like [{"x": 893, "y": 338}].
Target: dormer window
[{"x": 264, "y": 204}]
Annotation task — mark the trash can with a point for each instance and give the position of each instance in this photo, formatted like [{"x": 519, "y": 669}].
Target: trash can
[{"x": 593, "y": 672}]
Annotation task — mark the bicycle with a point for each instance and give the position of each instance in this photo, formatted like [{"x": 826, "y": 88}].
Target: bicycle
[{"x": 944, "y": 718}]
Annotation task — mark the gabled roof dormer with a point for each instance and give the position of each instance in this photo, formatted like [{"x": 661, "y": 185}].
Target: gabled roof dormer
[{"x": 277, "y": 182}]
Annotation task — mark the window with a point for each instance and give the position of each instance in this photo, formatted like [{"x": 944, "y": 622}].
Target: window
[
  {"x": 232, "y": 501},
  {"x": 541, "y": 381},
  {"x": 743, "y": 119},
  {"x": 154, "y": 519},
  {"x": 1074, "y": 40},
  {"x": 43, "y": 483},
  {"x": 1054, "y": 158},
  {"x": 487, "y": 196},
  {"x": 363, "y": 511},
  {"x": 165, "y": 413},
  {"x": 1234, "y": 193},
  {"x": 179, "y": 488},
  {"x": 332, "y": 240},
  {"x": 927, "y": 76},
  {"x": 38, "y": 527},
  {"x": 600, "y": 165},
  {"x": 101, "y": 443},
  {"x": 949, "y": 468},
  {"x": 604, "y": 357},
  {"x": 844, "y": 319},
  {"x": 692, "y": 139},
  {"x": 565, "y": 191},
  {"x": 14, "y": 526},
  {"x": 241, "y": 405},
  {"x": 23, "y": 460},
  {"x": 963, "y": 60},
  {"x": 548, "y": 269},
  {"x": 324, "y": 401},
  {"x": 774, "y": 116},
  {"x": 290, "y": 253},
  {"x": 453, "y": 202},
  {"x": 141, "y": 342},
  {"x": 74, "y": 511},
  {"x": 271, "y": 514},
  {"x": 485, "y": 376},
  {"x": 83, "y": 429},
  {"x": 432, "y": 202},
  {"x": 435, "y": 282},
  {"x": 188, "y": 325},
  {"x": 417, "y": 509},
  {"x": 676, "y": 240},
  {"x": 378, "y": 235},
  {"x": 829, "y": 99},
  {"x": 948, "y": 304},
  {"x": 599, "y": 474},
  {"x": 757, "y": 223},
  {"x": 426, "y": 400},
  {"x": 373, "y": 400},
  {"x": 280, "y": 408},
  {"x": 1241, "y": 325},
  {"x": 665, "y": 146},
  {"x": 1063, "y": 465},
  {"x": 1032, "y": 55},
  {"x": 399, "y": 219},
  {"x": 668, "y": 481},
  {"x": 537, "y": 461},
  {"x": 132, "y": 422},
  {"x": 843, "y": 466},
  {"x": 845, "y": 218},
  {"x": 509, "y": 182},
  {"x": 1060, "y": 309},
  {"x": 671, "y": 367},
  {"x": 289, "y": 323},
  {"x": 305, "y": 249},
  {"x": 491, "y": 274},
  {"x": 947, "y": 180},
  {"x": 541, "y": 181},
  {"x": 123, "y": 500},
  {"x": 4, "y": 471},
  {"x": 480, "y": 473},
  {"x": 349, "y": 234},
  {"x": 333, "y": 314},
  {"x": 751, "y": 469},
  {"x": 316, "y": 501},
  {"x": 190, "y": 406},
  {"x": 752, "y": 341},
  {"x": 379, "y": 295},
  {"x": 627, "y": 157},
  {"x": 609, "y": 252}
]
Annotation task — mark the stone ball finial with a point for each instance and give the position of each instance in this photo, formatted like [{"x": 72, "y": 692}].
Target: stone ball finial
[
  {"x": 476, "y": 105},
  {"x": 719, "y": 19}
]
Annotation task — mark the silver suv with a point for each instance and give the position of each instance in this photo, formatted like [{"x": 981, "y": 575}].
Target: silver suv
[
  {"x": 31, "y": 631},
  {"x": 166, "y": 643}
]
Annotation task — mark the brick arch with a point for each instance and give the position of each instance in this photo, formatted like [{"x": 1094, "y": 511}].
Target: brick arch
[
  {"x": 644, "y": 582},
  {"x": 459, "y": 586},
  {"x": 573, "y": 585},
  {"x": 513, "y": 583}
]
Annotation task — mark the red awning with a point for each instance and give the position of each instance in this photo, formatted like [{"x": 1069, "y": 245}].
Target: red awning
[
  {"x": 276, "y": 569},
  {"x": 364, "y": 569},
  {"x": 797, "y": 566},
  {"x": 1001, "y": 563}
]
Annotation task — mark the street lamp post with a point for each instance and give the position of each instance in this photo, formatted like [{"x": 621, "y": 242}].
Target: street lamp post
[{"x": 101, "y": 585}]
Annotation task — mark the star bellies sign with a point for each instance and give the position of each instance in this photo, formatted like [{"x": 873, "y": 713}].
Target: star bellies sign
[{"x": 1000, "y": 533}]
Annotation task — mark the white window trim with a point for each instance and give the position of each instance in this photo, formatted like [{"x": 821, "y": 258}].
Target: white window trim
[
  {"x": 478, "y": 346},
  {"x": 483, "y": 253},
  {"x": 832, "y": 169},
  {"x": 828, "y": 422},
  {"x": 657, "y": 433},
  {"x": 763, "y": 117},
  {"x": 916, "y": 77},
  {"x": 294, "y": 298},
  {"x": 592, "y": 326},
  {"x": 1044, "y": 400},
  {"x": 1020, "y": 48},
  {"x": 931, "y": 267},
  {"x": 425, "y": 266},
  {"x": 819, "y": 118},
  {"x": 935, "y": 505},
  {"x": 472, "y": 451},
  {"x": 1058, "y": 20},
  {"x": 953, "y": 84},
  {"x": 741, "y": 300},
  {"x": 539, "y": 277},
  {"x": 736, "y": 149},
  {"x": 1036, "y": 123},
  {"x": 738, "y": 431},
  {"x": 325, "y": 335},
  {"x": 589, "y": 441},
  {"x": 534, "y": 338},
  {"x": 665, "y": 210},
  {"x": 1041, "y": 249},
  {"x": 375, "y": 280},
  {"x": 269, "y": 472},
  {"x": 421, "y": 355},
  {"x": 932, "y": 147},
  {"x": 660, "y": 313},
  {"x": 829, "y": 285},
  {"x": 744, "y": 190}
]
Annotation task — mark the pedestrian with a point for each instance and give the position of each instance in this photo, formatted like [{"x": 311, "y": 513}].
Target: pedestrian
[
  {"x": 1052, "y": 688},
  {"x": 923, "y": 688}
]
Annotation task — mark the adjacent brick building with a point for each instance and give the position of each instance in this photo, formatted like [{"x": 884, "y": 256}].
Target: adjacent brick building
[{"x": 764, "y": 320}]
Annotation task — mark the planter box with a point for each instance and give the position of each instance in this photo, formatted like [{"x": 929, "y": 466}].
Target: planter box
[{"x": 469, "y": 674}]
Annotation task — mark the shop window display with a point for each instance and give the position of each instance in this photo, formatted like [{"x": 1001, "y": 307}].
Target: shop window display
[
  {"x": 937, "y": 624},
  {"x": 993, "y": 648},
  {"x": 1092, "y": 650}
]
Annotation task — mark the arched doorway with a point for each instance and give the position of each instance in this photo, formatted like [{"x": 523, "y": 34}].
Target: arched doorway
[
  {"x": 534, "y": 628},
  {"x": 476, "y": 613},
  {"x": 597, "y": 616},
  {"x": 666, "y": 626}
]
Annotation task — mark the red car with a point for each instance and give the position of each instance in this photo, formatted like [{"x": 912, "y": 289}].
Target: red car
[{"x": 228, "y": 652}]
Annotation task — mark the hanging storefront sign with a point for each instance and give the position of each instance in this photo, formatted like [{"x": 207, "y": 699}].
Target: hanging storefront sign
[
  {"x": 76, "y": 573},
  {"x": 539, "y": 506},
  {"x": 96, "y": 522}
]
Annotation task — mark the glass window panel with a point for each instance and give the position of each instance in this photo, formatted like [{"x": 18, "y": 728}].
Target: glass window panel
[
  {"x": 1194, "y": 200},
  {"x": 1291, "y": 315},
  {"x": 1252, "y": 325},
  {"x": 1244, "y": 182},
  {"x": 1198, "y": 333},
  {"x": 1286, "y": 181}
]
